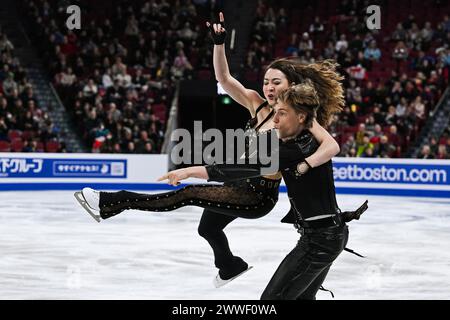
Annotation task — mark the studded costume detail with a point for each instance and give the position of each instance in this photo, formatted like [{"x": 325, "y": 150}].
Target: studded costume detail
[{"x": 253, "y": 200}]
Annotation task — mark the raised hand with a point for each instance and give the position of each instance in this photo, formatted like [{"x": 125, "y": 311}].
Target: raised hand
[{"x": 218, "y": 31}]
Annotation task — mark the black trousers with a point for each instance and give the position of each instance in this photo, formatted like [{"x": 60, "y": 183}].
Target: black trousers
[
  {"x": 211, "y": 228},
  {"x": 249, "y": 199},
  {"x": 304, "y": 269}
]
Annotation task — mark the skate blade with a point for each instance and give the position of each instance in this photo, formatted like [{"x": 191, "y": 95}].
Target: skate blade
[
  {"x": 219, "y": 282},
  {"x": 80, "y": 198}
]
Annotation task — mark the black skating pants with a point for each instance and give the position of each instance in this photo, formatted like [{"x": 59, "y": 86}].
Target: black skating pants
[{"x": 304, "y": 269}]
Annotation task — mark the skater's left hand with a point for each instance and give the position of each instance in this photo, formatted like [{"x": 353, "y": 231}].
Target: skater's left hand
[{"x": 175, "y": 176}]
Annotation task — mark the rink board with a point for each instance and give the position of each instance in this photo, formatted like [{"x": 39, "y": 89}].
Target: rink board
[{"x": 56, "y": 171}]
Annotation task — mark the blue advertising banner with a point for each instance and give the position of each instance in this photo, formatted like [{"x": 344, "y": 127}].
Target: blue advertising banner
[
  {"x": 12, "y": 167},
  {"x": 425, "y": 174}
]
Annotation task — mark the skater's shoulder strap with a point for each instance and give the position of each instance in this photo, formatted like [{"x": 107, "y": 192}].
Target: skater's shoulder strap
[{"x": 254, "y": 121}]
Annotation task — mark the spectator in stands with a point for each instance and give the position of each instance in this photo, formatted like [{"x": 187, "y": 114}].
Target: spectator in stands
[
  {"x": 393, "y": 135},
  {"x": 372, "y": 53},
  {"x": 9, "y": 85},
  {"x": 363, "y": 146},
  {"x": 425, "y": 153},
  {"x": 347, "y": 117},
  {"x": 384, "y": 149},
  {"x": 181, "y": 66},
  {"x": 399, "y": 33},
  {"x": 391, "y": 116},
  {"x": 419, "y": 107},
  {"x": 90, "y": 90},
  {"x": 186, "y": 33},
  {"x": 348, "y": 146},
  {"x": 368, "y": 153},
  {"x": 356, "y": 26},
  {"x": 3, "y": 107},
  {"x": 5, "y": 44},
  {"x": 66, "y": 78},
  {"x": 427, "y": 34},
  {"x": 442, "y": 152},
  {"x": 3, "y": 129},
  {"x": 142, "y": 141},
  {"x": 107, "y": 80},
  {"x": 434, "y": 145},
  {"x": 329, "y": 50},
  {"x": 123, "y": 78},
  {"x": 359, "y": 135},
  {"x": 118, "y": 67},
  {"x": 316, "y": 27},
  {"x": 370, "y": 125},
  {"x": 282, "y": 19},
  {"x": 130, "y": 147},
  {"x": 305, "y": 44},
  {"x": 408, "y": 23},
  {"x": 401, "y": 107},
  {"x": 447, "y": 145},
  {"x": 356, "y": 44},
  {"x": 342, "y": 44},
  {"x": 376, "y": 135},
  {"x": 148, "y": 148},
  {"x": 29, "y": 146}
]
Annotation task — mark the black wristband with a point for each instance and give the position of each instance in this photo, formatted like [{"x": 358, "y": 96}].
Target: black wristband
[
  {"x": 218, "y": 39},
  {"x": 307, "y": 163}
]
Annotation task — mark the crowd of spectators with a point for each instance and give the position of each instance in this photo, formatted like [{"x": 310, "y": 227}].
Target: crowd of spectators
[
  {"x": 393, "y": 78},
  {"x": 437, "y": 147},
  {"x": 24, "y": 125},
  {"x": 117, "y": 74}
]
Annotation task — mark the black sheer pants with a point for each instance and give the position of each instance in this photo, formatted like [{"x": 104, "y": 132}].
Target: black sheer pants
[
  {"x": 224, "y": 199},
  {"x": 250, "y": 199}
]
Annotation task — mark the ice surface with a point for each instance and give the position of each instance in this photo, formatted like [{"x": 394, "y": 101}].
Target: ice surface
[{"x": 51, "y": 249}]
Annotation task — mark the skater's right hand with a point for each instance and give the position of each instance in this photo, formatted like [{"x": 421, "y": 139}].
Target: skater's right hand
[
  {"x": 217, "y": 30},
  {"x": 176, "y": 176}
]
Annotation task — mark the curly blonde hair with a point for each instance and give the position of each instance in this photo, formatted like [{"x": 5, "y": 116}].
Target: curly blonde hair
[{"x": 303, "y": 98}]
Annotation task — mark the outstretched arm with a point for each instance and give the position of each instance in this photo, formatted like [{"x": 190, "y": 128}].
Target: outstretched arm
[
  {"x": 291, "y": 156},
  {"x": 174, "y": 177}
]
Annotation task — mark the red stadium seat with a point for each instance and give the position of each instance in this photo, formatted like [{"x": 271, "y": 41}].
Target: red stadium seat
[
  {"x": 40, "y": 147},
  {"x": 5, "y": 146},
  {"x": 52, "y": 146},
  {"x": 14, "y": 134},
  {"x": 26, "y": 135},
  {"x": 17, "y": 145}
]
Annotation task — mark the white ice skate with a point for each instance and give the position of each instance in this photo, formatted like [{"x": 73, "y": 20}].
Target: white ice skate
[
  {"x": 89, "y": 200},
  {"x": 219, "y": 282}
]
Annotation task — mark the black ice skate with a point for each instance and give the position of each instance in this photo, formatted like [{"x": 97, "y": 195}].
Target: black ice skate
[{"x": 226, "y": 275}]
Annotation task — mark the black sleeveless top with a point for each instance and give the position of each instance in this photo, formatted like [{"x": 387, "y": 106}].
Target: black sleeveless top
[
  {"x": 253, "y": 121},
  {"x": 252, "y": 129}
]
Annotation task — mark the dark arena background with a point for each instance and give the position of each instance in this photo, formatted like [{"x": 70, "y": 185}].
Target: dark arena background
[{"x": 92, "y": 93}]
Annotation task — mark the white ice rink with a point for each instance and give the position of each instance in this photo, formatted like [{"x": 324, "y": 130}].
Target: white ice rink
[{"x": 51, "y": 249}]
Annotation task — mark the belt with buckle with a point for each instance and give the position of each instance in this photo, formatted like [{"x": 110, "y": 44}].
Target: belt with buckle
[{"x": 321, "y": 222}]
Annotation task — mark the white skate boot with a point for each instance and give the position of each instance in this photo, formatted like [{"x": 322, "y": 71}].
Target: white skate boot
[
  {"x": 219, "y": 282},
  {"x": 89, "y": 200}
]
